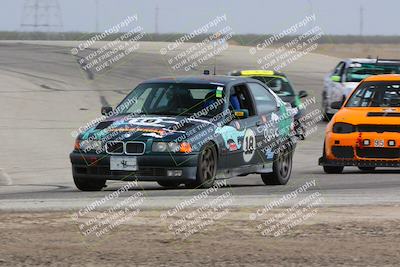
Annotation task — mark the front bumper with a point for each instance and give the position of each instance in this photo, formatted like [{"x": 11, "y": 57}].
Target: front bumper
[
  {"x": 359, "y": 163},
  {"x": 150, "y": 167},
  {"x": 348, "y": 150}
]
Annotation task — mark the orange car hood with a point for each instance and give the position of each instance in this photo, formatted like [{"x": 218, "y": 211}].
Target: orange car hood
[{"x": 358, "y": 116}]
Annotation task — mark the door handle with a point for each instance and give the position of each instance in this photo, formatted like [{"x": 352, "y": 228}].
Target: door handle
[{"x": 259, "y": 123}]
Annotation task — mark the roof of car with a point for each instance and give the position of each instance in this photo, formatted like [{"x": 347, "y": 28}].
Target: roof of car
[
  {"x": 362, "y": 60},
  {"x": 383, "y": 78},
  {"x": 256, "y": 73},
  {"x": 201, "y": 79},
  {"x": 373, "y": 61}
]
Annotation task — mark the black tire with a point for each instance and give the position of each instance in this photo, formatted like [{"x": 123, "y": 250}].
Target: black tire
[
  {"x": 85, "y": 184},
  {"x": 367, "y": 169},
  {"x": 169, "y": 184},
  {"x": 327, "y": 116},
  {"x": 333, "y": 169},
  {"x": 282, "y": 169},
  {"x": 206, "y": 168},
  {"x": 300, "y": 131}
]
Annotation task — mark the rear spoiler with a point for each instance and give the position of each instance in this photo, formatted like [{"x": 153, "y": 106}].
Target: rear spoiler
[{"x": 385, "y": 61}]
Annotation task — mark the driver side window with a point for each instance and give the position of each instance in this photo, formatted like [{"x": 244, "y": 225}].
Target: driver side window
[
  {"x": 240, "y": 99},
  {"x": 339, "y": 69},
  {"x": 265, "y": 102}
]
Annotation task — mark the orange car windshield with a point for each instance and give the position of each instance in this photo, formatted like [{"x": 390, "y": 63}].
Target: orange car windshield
[{"x": 383, "y": 94}]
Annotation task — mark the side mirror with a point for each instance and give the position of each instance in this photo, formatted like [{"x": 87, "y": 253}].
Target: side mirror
[
  {"x": 241, "y": 113},
  {"x": 337, "y": 105},
  {"x": 303, "y": 94},
  {"x": 336, "y": 79},
  {"x": 106, "y": 110}
]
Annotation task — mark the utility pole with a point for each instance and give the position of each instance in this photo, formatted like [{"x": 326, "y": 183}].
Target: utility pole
[
  {"x": 361, "y": 20},
  {"x": 97, "y": 15},
  {"x": 156, "y": 19}
]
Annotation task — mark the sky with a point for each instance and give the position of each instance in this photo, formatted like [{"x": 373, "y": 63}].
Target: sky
[{"x": 250, "y": 16}]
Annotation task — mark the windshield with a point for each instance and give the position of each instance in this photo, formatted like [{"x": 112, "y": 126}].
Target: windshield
[
  {"x": 376, "y": 95},
  {"x": 279, "y": 85},
  {"x": 174, "y": 99},
  {"x": 359, "y": 71}
]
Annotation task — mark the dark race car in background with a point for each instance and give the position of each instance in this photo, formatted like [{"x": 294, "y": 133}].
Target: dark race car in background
[
  {"x": 280, "y": 84},
  {"x": 191, "y": 131}
]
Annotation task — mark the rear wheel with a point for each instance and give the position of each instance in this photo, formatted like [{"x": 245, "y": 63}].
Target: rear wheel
[
  {"x": 206, "y": 168},
  {"x": 282, "y": 169},
  {"x": 85, "y": 184},
  {"x": 333, "y": 169},
  {"x": 325, "y": 103},
  {"x": 367, "y": 169},
  {"x": 300, "y": 130}
]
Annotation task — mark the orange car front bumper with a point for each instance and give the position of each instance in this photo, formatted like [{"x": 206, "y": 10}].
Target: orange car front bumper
[{"x": 362, "y": 149}]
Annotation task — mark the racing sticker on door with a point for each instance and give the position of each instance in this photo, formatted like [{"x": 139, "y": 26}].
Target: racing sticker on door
[
  {"x": 249, "y": 145},
  {"x": 231, "y": 137}
]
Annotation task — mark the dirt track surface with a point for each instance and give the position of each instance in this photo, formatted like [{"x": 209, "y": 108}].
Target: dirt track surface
[{"x": 344, "y": 236}]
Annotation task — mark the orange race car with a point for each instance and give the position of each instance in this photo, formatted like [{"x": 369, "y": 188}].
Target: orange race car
[{"x": 366, "y": 130}]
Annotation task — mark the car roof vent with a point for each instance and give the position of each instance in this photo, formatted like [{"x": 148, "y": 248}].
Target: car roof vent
[{"x": 383, "y": 114}]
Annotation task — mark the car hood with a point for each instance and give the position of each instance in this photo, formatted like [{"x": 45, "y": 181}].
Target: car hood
[
  {"x": 368, "y": 115},
  {"x": 143, "y": 127}
]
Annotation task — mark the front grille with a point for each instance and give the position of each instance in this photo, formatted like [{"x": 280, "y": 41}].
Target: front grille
[
  {"x": 383, "y": 114},
  {"x": 343, "y": 152},
  {"x": 129, "y": 148},
  {"x": 378, "y": 153},
  {"x": 134, "y": 148},
  {"x": 115, "y": 147},
  {"x": 378, "y": 128}
]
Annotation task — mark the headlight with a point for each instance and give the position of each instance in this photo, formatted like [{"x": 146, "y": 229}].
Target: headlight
[
  {"x": 159, "y": 147},
  {"x": 171, "y": 147},
  {"x": 343, "y": 128},
  {"x": 88, "y": 145},
  {"x": 174, "y": 147}
]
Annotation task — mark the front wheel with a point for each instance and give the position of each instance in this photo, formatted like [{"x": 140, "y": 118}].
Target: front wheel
[
  {"x": 169, "y": 184},
  {"x": 85, "y": 184},
  {"x": 367, "y": 169},
  {"x": 333, "y": 169},
  {"x": 282, "y": 169},
  {"x": 206, "y": 168}
]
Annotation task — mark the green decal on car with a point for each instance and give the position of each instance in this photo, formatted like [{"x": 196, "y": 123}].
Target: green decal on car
[{"x": 231, "y": 137}]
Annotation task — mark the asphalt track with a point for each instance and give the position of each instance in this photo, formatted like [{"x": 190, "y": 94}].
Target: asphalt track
[{"x": 45, "y": 95}]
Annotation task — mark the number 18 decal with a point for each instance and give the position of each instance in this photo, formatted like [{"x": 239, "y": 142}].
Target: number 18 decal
[{"x": 249, "y": 145}]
